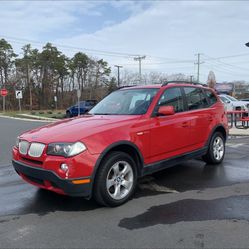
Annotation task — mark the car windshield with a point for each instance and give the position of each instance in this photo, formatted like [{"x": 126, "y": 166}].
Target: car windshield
[
  {"x": 223, "y": 99},
  {"x": 231, "y": 98},
  {"x": 126, "y": 102}
]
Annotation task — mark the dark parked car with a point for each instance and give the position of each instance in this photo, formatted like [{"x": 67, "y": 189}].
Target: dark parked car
[{"x": 85, "y": 106}]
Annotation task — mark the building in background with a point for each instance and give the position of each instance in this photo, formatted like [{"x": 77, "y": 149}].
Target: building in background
[
  {"x": 241, "y": 89},
  {"x": 224, "y": 88},
  {"x": 238, "y": 89}
]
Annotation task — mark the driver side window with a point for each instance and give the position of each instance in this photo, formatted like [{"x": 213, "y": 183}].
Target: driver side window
[{"x": 172, "y": 97}]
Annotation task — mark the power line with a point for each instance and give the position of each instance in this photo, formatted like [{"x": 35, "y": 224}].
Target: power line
[
  {"x": 99, "y": 52},
  {"x": 229, "y": 56},
  {"x": 71, "y": 47},
  {"x": 225, "y": 63},
  {"x": 224, "y": 70},
  {"x": 224, "y": 67}
]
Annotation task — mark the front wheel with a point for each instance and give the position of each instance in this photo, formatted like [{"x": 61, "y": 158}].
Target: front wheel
[
  {"x": 216, "y": 149},
  {"x": 116, "y": 180}
]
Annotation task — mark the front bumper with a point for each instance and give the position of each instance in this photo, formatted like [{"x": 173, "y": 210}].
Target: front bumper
[{"x": 49, "y": 180}]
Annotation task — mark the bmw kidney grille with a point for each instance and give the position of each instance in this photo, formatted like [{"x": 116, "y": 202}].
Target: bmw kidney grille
[
  {"x": 36, "y": 149},
  {"x": 23, "y": 147},
  {"x": 33, "y": 149}
]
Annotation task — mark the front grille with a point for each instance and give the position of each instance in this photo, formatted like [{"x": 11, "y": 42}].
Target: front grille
[
  {"x": 23, "y": 147},
  {"x": 36, "y": 149}
]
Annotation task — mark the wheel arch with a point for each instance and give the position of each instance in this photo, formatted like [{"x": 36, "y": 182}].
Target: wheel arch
[
  {"x": 123, "y": 146},
  {"x": 217, "y": 128}
]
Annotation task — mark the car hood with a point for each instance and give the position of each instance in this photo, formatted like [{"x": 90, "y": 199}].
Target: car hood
[{"x": 76, "y": 129}]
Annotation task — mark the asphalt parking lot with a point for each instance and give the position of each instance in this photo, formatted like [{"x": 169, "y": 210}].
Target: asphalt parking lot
[{"x": 192, "y": 205}]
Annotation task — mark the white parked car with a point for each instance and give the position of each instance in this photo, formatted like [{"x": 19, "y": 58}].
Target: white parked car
[
  {"x": 246, "y": 101},
  {"x": 232, "y": 103}
]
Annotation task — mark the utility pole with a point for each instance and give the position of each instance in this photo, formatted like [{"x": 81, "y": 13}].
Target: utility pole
[
  {"x": 139, "y": 59},
  {"x": 198, "y": 66},
  {"x": 191, "y": 78},
  {"x": 118, "y": 67}
]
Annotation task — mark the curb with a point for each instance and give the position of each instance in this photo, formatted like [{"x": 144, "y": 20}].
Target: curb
[
  {"x": 28, "y": 119},
  {"x": 238, "y": 132},
  {"x": 38, "y": 117}
]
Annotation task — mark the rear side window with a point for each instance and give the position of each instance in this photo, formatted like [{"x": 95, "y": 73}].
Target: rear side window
[
  {"x": 211, "y": 97},
  {"x": 172, "y": 97},
  {"x": 195, "y": 98}
]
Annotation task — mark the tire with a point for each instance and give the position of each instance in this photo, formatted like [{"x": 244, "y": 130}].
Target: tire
[
  {"x": 116, "y": 180},
  {"x": 216, "y": 149}
]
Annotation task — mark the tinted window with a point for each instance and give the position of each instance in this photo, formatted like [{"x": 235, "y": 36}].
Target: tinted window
[
  {"x": 211, "y": 97},
  {"x": 172, "y": 97},
  {"x": 195, "y": 98}
]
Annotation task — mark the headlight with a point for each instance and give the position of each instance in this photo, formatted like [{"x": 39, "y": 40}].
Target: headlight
[
  {"x": 17, "y": 142},
  {"x": 65, "y": 149}
]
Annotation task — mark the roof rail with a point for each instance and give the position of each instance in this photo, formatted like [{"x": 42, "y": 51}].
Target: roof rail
[
  {"x": 125, "y": 86},
  {"x": 181, "y": 82}
]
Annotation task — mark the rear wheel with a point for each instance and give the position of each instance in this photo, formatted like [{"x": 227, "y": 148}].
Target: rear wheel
[
  {"x": 116, "y": 180},
  {"x": 216, "y": 149}
]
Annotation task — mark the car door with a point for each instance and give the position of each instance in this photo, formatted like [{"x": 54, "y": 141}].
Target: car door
[
  {"x": 201, "y": 116},
  {"x": 169, "y": 134}
]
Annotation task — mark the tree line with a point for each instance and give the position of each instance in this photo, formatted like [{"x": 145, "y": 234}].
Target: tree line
[
  {"x": 42, "y": 75},
  {"x": 49, "y": 78}
]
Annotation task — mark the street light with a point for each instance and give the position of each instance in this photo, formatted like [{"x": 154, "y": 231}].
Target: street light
[{"x": 247, "y": 44}]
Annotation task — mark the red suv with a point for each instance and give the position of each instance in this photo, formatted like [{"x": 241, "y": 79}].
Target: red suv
[{"x": 132, "y": 132}]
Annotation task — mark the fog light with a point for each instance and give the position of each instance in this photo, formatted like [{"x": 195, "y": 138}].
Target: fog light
[{"x": 64, "y": 167}]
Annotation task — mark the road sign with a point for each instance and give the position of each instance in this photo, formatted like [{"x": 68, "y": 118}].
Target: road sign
[
  {"x": 19, "y": 94},
  {"x": 3, "y": 92}
]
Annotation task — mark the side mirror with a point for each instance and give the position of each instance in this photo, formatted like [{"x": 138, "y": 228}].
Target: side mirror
[{"x": 166, "y": 110}]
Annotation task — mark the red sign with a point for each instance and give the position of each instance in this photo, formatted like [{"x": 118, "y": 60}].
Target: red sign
[{"x": 3, "y": 92}]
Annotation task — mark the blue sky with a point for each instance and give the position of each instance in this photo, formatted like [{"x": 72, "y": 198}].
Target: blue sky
[{"x": 169, "y": 33}]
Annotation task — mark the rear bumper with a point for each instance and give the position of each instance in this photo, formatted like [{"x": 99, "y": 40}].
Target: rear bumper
[{"x": 49, "y": 180}]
